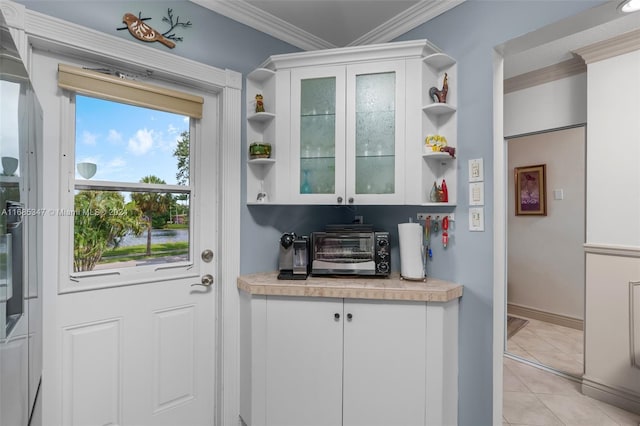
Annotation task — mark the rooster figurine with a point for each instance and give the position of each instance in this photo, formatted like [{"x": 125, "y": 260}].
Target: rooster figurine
[
  {"x": 440, "y": 95},
  {"x": 144, "y": 32}
]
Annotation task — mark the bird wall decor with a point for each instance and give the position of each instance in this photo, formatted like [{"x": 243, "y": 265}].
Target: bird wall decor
[
  {"x": 440, "y": 95},
  {"x": 144, "y": 32}
]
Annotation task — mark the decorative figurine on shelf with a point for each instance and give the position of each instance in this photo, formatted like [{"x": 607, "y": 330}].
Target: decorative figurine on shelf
[
  {"x": 440, "y": 96},
  {"x": 435, "y": 143},
  {"x": 259, "y": 103}
]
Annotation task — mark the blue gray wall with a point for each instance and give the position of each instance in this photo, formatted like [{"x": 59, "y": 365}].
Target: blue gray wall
[{"x": 469, "y": 33}]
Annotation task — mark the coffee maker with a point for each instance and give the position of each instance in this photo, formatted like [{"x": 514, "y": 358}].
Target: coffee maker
[{"x": 293, "y": 260}]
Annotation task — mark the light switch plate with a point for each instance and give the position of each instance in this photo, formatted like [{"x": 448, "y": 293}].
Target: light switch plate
[
  {"x": 476, "y": 219},
  {"x": 476, "y": 170},
  {"x": 476, "y": 194},
  {"x": 558, "y": 194}
]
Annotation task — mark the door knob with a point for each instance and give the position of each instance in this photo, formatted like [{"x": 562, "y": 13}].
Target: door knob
[{"x": 207, "y": 280}]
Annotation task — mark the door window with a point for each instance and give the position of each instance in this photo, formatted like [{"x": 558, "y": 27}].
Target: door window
[{"x": 131, "y": 186}]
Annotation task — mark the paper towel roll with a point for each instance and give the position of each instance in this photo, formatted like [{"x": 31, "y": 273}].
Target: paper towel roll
[{"x": 410, "y": 236}]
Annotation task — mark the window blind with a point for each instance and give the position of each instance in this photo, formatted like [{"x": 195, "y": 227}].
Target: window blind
[{"x": 93, "y": 83}]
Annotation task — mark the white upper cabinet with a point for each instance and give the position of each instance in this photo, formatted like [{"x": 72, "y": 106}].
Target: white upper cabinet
[{"x": 348, "y": 126}]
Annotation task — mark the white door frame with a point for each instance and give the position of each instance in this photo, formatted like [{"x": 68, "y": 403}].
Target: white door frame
[
  {"x": 31, "y": 29},
  {"x": 499, "y": 233}
]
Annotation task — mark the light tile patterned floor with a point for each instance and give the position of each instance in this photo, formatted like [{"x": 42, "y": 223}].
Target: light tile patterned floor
[
  {"x": 553, "y": 345},
  {"x": 533, "y": 396}
]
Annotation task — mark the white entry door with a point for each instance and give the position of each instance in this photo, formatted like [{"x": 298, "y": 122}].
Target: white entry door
[{"x": 135, "y": 338}]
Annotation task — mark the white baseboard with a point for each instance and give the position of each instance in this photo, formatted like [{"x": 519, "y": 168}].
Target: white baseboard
[
  {"x": 539, "y": 315},
  {"x": 626, "y": 400}
]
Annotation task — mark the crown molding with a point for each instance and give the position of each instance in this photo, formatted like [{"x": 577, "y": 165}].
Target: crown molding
[
  {"x": 619, "y": 45},
  {"x": 352, "y": 54},
  {"x": 254, "y": 17},
  {"x": 548, "y": 74},
  {"x": 404, "y": 22}
]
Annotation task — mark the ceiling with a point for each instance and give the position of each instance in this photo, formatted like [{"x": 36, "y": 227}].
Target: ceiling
[{"x": 326, "y": 24}]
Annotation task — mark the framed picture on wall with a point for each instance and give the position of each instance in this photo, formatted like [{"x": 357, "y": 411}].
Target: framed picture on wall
[{"x": 531, "y": 192}]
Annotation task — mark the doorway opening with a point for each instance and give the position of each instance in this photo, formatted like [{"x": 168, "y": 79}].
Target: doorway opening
[{"x": 545, "y": 257}]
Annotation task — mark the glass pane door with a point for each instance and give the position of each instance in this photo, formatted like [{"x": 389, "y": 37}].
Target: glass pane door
[
  {"x": 317, "y": 135},
  {"x": 318, "y": 118},
  {"x": 375, "y": 133}
]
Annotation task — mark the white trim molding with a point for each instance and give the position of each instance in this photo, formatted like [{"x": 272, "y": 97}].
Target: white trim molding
[
  {"x": 612, "y": 250},
  {"x": 248, "y": 14},
  {"x": 354, "y": 54},
  {"x": 619, "y": 397},
  {"x": 548, "y": 74},
  {"x": 624, "y": 43}
]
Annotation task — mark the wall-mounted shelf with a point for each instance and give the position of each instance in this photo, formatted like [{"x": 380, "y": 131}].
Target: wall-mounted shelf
[
  {"x": 437, "y": 155},
  {"x": 439, "y": 109},
  {"x": 439, "y": 61},
  {"x": 261, "y": 128},
  {"x": 260, "y": 75},
  {"x": 261, "y": 161},
  {"x": 261, "y": 117}
]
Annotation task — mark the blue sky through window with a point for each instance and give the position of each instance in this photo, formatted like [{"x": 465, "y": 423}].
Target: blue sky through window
[{"x": 127, "y": 142}]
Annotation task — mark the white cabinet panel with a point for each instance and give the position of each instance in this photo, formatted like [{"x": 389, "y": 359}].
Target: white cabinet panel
[
  {"x": 304, "y": 362},
  {"x": 384, "y": 363}
]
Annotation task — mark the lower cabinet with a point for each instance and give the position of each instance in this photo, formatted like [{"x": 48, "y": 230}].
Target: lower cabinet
[{"x": 319, "y": 361}]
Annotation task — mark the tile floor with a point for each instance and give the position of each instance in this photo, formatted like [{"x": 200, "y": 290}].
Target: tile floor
[
  {"x": 533, "y": 396},
  {"x": 561, "y": 348}
]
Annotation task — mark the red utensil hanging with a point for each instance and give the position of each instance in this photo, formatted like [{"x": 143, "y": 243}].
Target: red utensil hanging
[{"x": 445, "y": 234}]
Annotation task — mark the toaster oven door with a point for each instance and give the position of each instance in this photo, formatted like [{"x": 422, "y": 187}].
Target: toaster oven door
[{"x": 350, "y": 253}]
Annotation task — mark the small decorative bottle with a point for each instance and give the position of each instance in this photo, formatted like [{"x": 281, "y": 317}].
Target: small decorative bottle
[
  {"x": 445, "y": 192},
  {"x": 305, "y": 187},
  {"x": 433, "y": 195}
]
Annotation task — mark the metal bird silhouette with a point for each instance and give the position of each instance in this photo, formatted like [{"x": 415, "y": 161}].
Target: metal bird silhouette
[{"x": 144, "y": 32}]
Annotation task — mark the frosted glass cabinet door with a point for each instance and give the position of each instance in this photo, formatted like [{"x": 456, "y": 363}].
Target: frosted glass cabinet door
[
  {"x": 318, "y": 135},
  {"x": 375, "y": 133}
]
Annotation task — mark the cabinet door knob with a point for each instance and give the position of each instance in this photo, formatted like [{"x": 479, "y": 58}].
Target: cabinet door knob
[
  {"x": 350, "y": 200},
  {"x": 339, "y": 200},
  {"x": 336, "y": 316},
  {"x": 349, "y": 317}
]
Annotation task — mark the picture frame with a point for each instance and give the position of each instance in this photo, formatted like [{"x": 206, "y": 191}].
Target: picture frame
[{"x": 530, "y": 184}]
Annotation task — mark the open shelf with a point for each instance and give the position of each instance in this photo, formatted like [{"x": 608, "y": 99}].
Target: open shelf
[
  {"x": 260, "y": 75},
  {"x": 261, "y": 161},
  {"x": 437, "y": 155},
  {"x": 439, "y": 61},
  {"x": 439, "y": 109},
  {"x": 261, "y": 117}
]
